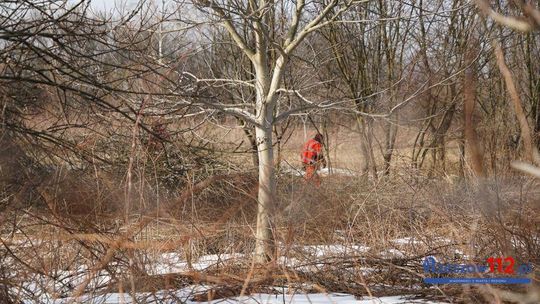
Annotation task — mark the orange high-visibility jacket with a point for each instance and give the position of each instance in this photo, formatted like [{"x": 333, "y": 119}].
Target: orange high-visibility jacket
[{"x": 312, "y": 152}]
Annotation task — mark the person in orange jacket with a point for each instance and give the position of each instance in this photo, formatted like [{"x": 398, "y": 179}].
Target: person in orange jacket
[{"x": 313, "y": 158}]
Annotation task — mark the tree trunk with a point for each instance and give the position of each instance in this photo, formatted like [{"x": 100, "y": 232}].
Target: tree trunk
[
  {"x": 369, "y": 137},
  {"x": 253, "y": 145},
  {"x": 528, "y": 142},
  {"x": 366, "y": 146},
  {"x": 266, "y": 195},
  {"x": 536, "y": 111},
  {"x": 363, "y": 147},
  {"x": 390, "y": 130},
  {"x": 472, "y": 147}
]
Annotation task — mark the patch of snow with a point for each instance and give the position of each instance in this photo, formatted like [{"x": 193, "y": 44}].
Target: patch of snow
[
  {"x": 286, "y": 168},
  {"x": 215, "y": 259},
  {"x": 394, "y": 300},
  {"x": 172, "y": 262},
  {"x": 295, "y": 298},
  {"x": 333, "y": 250},
  {"x": 48, "y": 290},
  {"x": 392, "y": 253},
  {"x": 337, "y": 171},
  {"x": 183, "y": 295},
  {"x": 442, "y": 240},
  {"x": 460, "y": 254},
  {"x": 366, "y": 271},
  {"x": 406, "y": 241}
]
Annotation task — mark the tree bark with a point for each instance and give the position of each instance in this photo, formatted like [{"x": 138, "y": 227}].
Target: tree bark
[
  {"x": 530, "y": 153},
  {"x": 391, "y": 131},
  {"x": 266, "y": 194},
  {"x": 472, "y": 147},
  {"x": 366, "y": 146},
  {"x": 265, "y": 87},
  {"x": 364, "y": 169},
  {"x": 252, "y": 144}
]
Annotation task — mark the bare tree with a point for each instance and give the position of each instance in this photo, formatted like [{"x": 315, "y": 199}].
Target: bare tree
[
  {"x": 258, "y": 19},
  {"x": 356, "y": 60}
]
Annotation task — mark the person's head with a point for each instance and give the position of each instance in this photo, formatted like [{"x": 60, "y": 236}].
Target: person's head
[{"x": 319, "y": 137}]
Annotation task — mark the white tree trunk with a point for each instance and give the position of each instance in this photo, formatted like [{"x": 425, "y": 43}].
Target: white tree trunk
[
  {"x": 266, "y": 195},
  {"x": 265, "y": 86}
]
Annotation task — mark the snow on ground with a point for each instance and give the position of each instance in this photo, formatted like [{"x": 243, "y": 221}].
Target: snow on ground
[
  {"x": 172, "y": 262},
  {"x": 338, "y": 171},
  {"x": 48, "y": 290},
  {"x": 394, "y": 300},
  {"x": 288, "y": 169},
  {"x": 334, "y": 250},
  {"x": 406, "y": 241},
  {"x": 183, "y": 296},
  {"x": 392, "y": 253}
]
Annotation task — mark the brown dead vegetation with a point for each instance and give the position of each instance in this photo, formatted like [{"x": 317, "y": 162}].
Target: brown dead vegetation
[{"x": 215, "y": 216}]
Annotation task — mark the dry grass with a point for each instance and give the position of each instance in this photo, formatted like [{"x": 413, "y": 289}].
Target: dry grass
[
  {"x": 456, "y": 221},
  {"x": 75, "y": 236}
]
